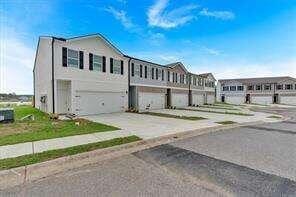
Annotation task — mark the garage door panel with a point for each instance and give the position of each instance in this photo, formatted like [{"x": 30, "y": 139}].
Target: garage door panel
[
  {"x": 263, "y": 100},
  {"x": 210, "y": 99},
  {"x": 197, "y": 99},
  {"x": 179, "y": 100},
  {"x": 288, "y": 100},
  {"x": 90, "y": 103},
  {"x": 236, "y": 100},
  {"x": 148, "y": 100}
]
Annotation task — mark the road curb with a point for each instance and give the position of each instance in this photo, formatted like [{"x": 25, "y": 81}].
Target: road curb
[{"x": 25, "y": 174}]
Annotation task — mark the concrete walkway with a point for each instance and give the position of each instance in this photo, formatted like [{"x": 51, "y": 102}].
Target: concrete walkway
[{"x": 16, "y": 150}]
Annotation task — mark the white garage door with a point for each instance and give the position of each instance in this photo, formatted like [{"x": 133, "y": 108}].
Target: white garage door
[
  {"x": 89, "y": 103},
  {"x": 179, "y": 100},
  {"x": 288, "y": 100},
  {"x": 210, "y": 99},
  {"x": 262, "y": 100},
  {"x": 236, "y": 100},
  {"x": 148, "y": 100},
  {"x": 198, "y": 99}
]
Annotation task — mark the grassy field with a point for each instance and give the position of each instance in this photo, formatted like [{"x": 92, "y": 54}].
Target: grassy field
[
  {"x": 226, "y": 122},
  {"x": 42, "y": 127},
  {"x": 173, "y": 116},
  {"x": 53, "y": 154}
]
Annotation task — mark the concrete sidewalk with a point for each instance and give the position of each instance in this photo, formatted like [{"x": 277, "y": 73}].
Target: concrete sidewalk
[{"x": 16, "y": 150}]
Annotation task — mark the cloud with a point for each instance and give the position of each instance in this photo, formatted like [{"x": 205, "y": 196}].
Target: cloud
[
  {"x": 211, "y": 51},
  {"x": 160, "y": 16},
  {"x": 224, "y": 15},
  {"x": 16, "y": 64}
]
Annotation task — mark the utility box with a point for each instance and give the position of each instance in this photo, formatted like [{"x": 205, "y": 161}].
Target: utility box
[{"x": 6, "y": 115}]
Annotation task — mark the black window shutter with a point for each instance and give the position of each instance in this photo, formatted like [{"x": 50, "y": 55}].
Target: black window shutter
[
  {"x": 156, "y": 72},
  {"x": 121, "y": 67},
  {"x": 91, "y": 66},
  {"x": 141, "y": 70},
  {"x": 152, "y": 73},
  {"x": 81, "y": 59},
  {"x": 111, "y": 65},
  {"x": 64, "y": 54},
  {"x": 133, "y": 69},
  {"x": 162, "y": 75},
  {"x": 104, "y": 64},
  {"x": 169, "y": 75},
  {"x": 145, "y": 72}
]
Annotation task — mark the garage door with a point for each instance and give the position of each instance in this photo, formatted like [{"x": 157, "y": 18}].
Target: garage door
[
  {"x": 262, "y": 100},
  {"x": 179, "y": 100},
  {"x": 148, "y": 100},
  {"x": 236, "y": 100},
  {"x": 198, "y": 99},
  {"x": 89, "y": 103},
  {"x": 288, "y": 100},
  {"x": 210, "y": 99}
]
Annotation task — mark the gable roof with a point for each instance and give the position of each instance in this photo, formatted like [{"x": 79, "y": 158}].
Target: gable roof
[
  {"x": 172, "y": 65},
  {"x": 207, "y": 75},
  {"x": 260, "y": 80}
]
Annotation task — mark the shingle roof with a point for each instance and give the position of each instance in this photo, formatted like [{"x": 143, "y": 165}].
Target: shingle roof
[{"x": 260, "y": 80}]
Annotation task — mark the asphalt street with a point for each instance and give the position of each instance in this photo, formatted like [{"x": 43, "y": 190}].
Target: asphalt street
[{"x": 257, "y": 160}]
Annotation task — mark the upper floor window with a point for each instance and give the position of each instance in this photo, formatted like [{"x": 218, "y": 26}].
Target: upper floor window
[
  {"x": 225, "y": 88},
  {"x": 258, "y": 87},
  {"x": 97, "y": 62},
  {"x": 240, "y": 88},
  {"x": 156, "y": 73},
  {"x": 232, "y": 88},
  {"x": 137, "y": 70},
  {"x": 288, "y": 87},
  {"x": 152, "y": 73},
  {"x": 194, "y": 81},
  {"x": 200, "y": 81},
  {"x": 250, "y": 87},
  {"x": 279, "y": 87},
  {"x": 267, "y": 87},
  {"x": 116, "y": 66},
  {"x": 73, "y": 59}
]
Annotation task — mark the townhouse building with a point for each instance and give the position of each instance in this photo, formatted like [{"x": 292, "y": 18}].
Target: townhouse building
[
  {"x": 266, "y": 90},
  {"x": 89, "y": 75}
]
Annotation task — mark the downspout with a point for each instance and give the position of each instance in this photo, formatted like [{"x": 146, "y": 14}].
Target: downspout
[
  {"x": 52, "y": 74},
  {"x": 129, "y": 81}
]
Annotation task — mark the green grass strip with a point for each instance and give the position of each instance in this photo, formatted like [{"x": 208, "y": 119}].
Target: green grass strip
[
  {"x": 217, "y": 107},
  {"x": 173, "y": 116},
  {"x": 217, "y": 112},
  {"x": 53, "y": 154},
  {"x": 276, "y": 117},
  {"x": 226, "y": 122}
]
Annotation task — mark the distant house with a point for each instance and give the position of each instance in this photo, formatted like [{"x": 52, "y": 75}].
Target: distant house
[
  {"x": 266, "y": 90},
  {"x": 89, "y": 75}
]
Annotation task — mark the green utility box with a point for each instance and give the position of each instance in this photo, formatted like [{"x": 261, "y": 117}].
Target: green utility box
[{"x": 6, "y": 115}]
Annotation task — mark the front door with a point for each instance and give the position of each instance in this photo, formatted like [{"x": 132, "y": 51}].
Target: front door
[
  {"x": 223, "y": 98},
  {"x": 248, "y": 98},
  {"x": 168, "y": 98},
  {"x": 276, "y": 98}
]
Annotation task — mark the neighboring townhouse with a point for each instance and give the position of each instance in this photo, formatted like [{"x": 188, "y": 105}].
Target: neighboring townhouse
[
  {"x": 89, "y": 75},
  {"x": 264, "y": 91}
]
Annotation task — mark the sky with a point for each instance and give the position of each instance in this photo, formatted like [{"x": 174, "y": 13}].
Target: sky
[{"x": 230, "y": 38}]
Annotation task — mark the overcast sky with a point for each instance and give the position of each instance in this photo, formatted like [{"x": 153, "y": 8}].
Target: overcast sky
[{"x": 230, "y": 38}]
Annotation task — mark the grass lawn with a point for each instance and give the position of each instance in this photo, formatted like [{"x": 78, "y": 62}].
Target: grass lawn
[
  {"x": 217, "y": 112},
  {"x": 53, "y": 154},
  {"x": 226, "y": 122},
  {"x": 44, "y": 128},
  {"x": 274, "y": 116},
  {"x": 173, "y": 116}
]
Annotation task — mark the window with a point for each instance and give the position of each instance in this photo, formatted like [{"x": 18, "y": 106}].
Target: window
[
  {"x": 141, "y": 71},
  {"x": 97, "y": 63},
  {"x": 250, "y": 87},
  {"x": 117, "y": 67},
  {"x": 162, "y": 75},
  {"x": 240, "y": 88},
  {"x": 137, "y": 70},
  {"x": 279, "y": 87},
  {"x": 145, "y": 72},
  {"x": 194, "y": 81},
  {"x": 73, "y": 58},
  {"x": 258, "y": 87},
  {"x": 152, "y": 73},
  {"x": 232, "y": 88},
  {"x": 200, "y": 81},
  {"x": 169, "y": 76},
  {"x": 133, "y": 69},
  {"x": 288, "y": 87},
  {"x": 225, "y": 88},
  {"x": 267, "y": 87},
  {"x": 156, "y": 73}
]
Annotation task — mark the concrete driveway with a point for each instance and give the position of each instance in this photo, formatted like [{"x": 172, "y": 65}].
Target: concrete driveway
[{"x": 147, "y": 126}]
